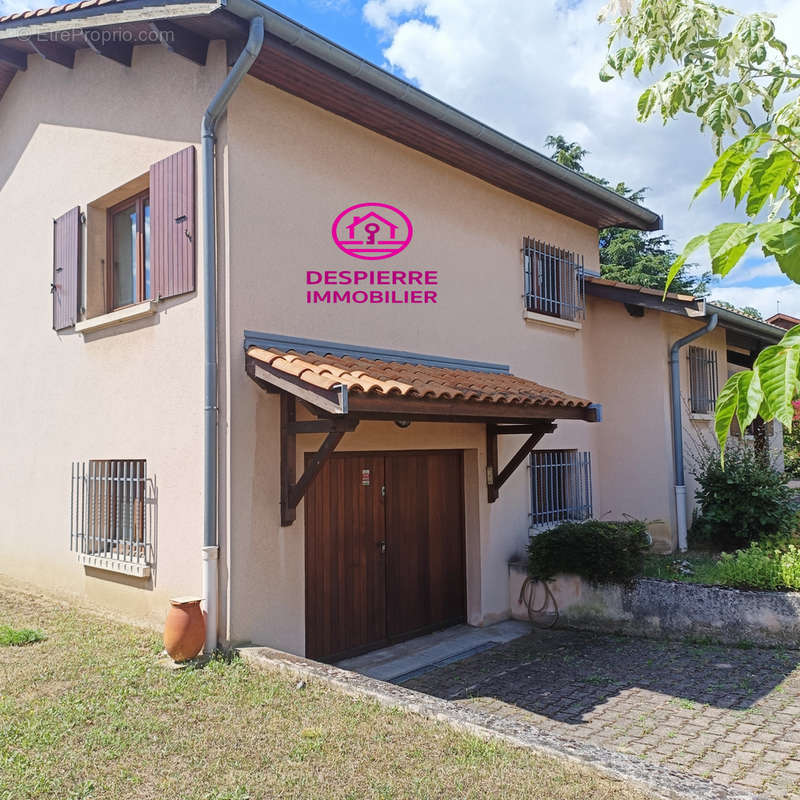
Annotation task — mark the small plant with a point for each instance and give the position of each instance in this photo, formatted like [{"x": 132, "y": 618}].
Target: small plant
[
  {"x": 745, "y": 502},
  {"x": 600, "y": 552},
  {"x": 10, "y": 637},
  {"x": 762, "y": 567}
]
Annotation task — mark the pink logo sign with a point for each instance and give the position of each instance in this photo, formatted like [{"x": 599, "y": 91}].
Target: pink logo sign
[{"x": 372, "y": 231}]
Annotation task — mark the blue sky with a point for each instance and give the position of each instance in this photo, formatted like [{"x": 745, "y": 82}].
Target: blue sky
[{"x": 529, "y": 68}]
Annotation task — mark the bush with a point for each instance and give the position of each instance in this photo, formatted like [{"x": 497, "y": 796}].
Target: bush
[
  {"x": 746, "y": 502},
  {"x": 600, "y": 552},
  {"x": 761, "y": 567}
]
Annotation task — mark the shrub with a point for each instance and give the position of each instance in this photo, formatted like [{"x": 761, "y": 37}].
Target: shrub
[
  {"x": 746, "y": 502},
  {"x": 600, "y": 552},
  {"x": 761, "y": 567}
]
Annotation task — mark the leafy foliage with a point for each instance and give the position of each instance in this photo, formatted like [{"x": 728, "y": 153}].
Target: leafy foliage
[
  {"x": 568, "y": 154},
  {"x": 15, "y": 637},
  {"x": 723, "y": 65},
  {"x": 791, "y": 451},
  {"x": 600, "y": 552},
  {"x": 746, "y": 310},
  {"x": 746, "y": 501},
  {"x": 626, "y": 255},
  {"x": 761, "y": 567}
]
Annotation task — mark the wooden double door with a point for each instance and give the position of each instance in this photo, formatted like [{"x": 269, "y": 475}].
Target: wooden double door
[{"x": 384, "y": 550}]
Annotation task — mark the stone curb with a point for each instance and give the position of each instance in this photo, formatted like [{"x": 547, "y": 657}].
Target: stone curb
[{"x": 658, "y": 781}]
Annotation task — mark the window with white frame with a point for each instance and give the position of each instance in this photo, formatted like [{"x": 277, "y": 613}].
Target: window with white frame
[{"x": 561, "y": 486}]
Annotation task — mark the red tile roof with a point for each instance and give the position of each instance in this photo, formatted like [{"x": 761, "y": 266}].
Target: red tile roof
[
  {"x": 392, "y": 378},
  {"x": 65, "y": 8}
]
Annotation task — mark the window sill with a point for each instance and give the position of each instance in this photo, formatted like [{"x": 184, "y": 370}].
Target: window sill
[
  {"x": 554, "y": 322},
  {"x": 117, "y": 317},
  {"x": 702, "y": 417},
  {"x": 114, "y": 565}
]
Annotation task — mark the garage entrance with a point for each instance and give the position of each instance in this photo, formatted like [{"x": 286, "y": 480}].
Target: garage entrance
[{"x": 384, "y": 550}]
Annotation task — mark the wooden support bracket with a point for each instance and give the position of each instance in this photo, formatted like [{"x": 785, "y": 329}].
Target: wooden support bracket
[
  {"x": 292, "y": 490},
  {"x": 496, "y": 477},
  {"x": 181, "y": 41},
  {"x": 15, "y": 58},
  {"x": 53, "y": 51},
  {"x": 121, "y": 52}
]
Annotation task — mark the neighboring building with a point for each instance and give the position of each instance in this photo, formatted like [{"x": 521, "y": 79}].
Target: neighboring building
[
  {"x": 783, "y": 321},
  {"x": 368, "y": 473}
]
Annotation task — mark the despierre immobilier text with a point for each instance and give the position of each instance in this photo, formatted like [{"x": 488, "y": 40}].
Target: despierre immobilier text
[{"x": 371, "y": 278}]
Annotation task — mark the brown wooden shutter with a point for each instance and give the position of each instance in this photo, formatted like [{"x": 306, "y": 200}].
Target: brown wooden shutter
[
  {"x": 172, "y": 225},
  {"x": 66, "y": 268}
]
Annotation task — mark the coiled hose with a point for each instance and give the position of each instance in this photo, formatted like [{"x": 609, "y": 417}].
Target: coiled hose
[{"x": 527, "y": 596}]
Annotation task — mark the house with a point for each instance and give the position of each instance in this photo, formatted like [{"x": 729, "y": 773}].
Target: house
[
  {"x": 207, "y": 395},
  {"x": 784, "y": 321}
]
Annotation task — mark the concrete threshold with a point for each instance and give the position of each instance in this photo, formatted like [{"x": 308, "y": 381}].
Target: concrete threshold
[
  {"x": 657, "y": 780},
  {"x": 406, "y": 660}
]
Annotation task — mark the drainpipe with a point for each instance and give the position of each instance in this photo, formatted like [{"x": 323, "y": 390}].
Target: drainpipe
[
  {"x": 677, "y": 425},
  {"x": 214, "y": 111}
]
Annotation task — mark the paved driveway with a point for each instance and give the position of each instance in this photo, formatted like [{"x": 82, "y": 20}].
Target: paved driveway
[{"x": 725, "y": 713}]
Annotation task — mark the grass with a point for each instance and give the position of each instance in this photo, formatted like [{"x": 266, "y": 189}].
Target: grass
[
  {"x": 90, "y": 713},
  {"x": 694, "y": 566},
  {"x": 10, "y": 637}
]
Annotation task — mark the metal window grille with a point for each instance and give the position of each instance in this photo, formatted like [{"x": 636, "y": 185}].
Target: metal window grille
[
  {"x": 111, "y": 510},
  {"x": 554, "y": 282},
  {"x": 561, "y": 486},
  {"x": 703, "y": 380}
]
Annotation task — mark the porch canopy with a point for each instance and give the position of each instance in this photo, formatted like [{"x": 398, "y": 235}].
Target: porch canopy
[{"x": 343, "y": 384}]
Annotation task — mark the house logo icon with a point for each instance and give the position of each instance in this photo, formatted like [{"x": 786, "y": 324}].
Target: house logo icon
[{"x": 372, "y": 231}]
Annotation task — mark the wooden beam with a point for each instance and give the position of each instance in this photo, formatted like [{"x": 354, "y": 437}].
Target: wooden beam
[
  {"x": 288, "y": 458},
  {"x": 53, "y": 51},
  {"x": 292, "y": 491},
  {"x": 325, "y": 399},
  {"x": 533, "y": 427},
  {"x": 372, "y": 407},
  {"x": 492, "y": 466},
  {"x": 317, "y": 462},
  {"x": 97, "y": 40},
  {"x": 323, "y": 425},
  {"x": 521, "y": 454},
  {"x": 181, "y": 41},
  {"x": 14, "y": 58},
  {"x": 494, "y": 478}
]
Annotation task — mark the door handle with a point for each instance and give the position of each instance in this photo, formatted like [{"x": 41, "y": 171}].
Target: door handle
[{"x": 382, "y": 546}]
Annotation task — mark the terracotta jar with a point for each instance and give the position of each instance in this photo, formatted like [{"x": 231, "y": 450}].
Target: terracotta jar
[{"x": 185, "y": 628}]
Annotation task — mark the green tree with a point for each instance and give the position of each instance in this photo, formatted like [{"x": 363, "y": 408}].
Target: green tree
[
  {"x": 626, "y": 255},
  {"x": 568, "y": 154},
  {"x": 732, "y": 72},
  {"x": 748, "y": 310}
]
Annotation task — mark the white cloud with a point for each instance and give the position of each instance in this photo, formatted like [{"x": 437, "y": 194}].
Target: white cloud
[
  {"x": 13, "y": 6},
  {"x": 530, "y": 69}
]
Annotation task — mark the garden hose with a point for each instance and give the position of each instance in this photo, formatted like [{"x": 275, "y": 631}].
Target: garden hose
[{"x": 527, "y": 595}]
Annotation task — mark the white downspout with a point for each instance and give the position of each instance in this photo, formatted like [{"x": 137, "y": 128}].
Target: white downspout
[{"x": 210, "y": 550}]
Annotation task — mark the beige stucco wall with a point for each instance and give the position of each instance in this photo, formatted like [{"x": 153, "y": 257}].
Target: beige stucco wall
[
  {"x": 69, "y": 137},
  {"x": 293, "y": 168},
  {"x": 285, "y": 169}
]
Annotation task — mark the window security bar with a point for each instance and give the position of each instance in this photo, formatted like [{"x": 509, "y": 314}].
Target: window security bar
[
  {"x": 554, "y": 281},
  {"x": 561, "y": 486},
  {"x": 703, "y": 380},
  {"x": 111, "y": 510}
]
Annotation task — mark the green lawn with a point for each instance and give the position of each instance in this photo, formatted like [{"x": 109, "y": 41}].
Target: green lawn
[
  {"x": 694, "y": 566},
  {"x": 91, "y": 712}
]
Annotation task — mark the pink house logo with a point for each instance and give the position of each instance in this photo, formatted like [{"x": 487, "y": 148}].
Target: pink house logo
[{"x": 372, "y": 231}]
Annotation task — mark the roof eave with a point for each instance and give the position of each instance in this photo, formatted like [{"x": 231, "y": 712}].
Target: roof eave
[
  {"x": 630, "y": 214},
  {"x": 112, "y": 14}
]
